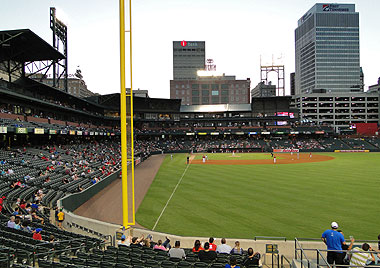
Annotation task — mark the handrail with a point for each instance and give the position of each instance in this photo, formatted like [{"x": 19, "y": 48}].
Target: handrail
[
  {"x": 282, "y": 261},
  {"x": 297, "y": 247}
]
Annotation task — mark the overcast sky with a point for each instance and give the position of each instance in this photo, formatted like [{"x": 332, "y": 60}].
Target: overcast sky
[{"x": 236, "y": 32}]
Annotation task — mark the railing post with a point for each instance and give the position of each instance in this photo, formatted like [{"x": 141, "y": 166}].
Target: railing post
[{"x": 295, "y": 248}]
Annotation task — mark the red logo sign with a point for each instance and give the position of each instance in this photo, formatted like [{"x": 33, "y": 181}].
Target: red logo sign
[{"x": 183, "y": 43}]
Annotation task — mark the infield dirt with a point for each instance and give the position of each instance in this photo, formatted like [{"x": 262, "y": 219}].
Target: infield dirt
[{"x": 280, "y": 159}]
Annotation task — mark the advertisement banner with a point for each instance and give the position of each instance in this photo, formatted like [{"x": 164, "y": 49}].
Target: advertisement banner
[
  {"x": 72, "y": 132},
  {"x": 79, "y": 133},
  {"x": 52, "y": 131},
  {"x": 91, "y": 133},
  {"x": 351, "y": 151},
  {"x": 286, "y": 150},
  {"x": 3, "y": 130},
  {"x": 64, "y": 132},
  {"x": 39, "y": 131},
  {"x": 21, "y": 130}
]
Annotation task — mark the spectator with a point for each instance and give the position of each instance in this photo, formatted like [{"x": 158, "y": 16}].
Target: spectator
[
  {"x": 237, "y": 249},
  {"x": 212, "y": 245},
  {"x": 177, "y": 251},
  {"x": 197, "y": 246},
  {"x": 61, "y": 218},
  {"x": 223, "y": 248},
  {"x": 360, "y": 256},
  {"x": 135, "y": 241},
  {"x": 11, "y": 222},
  {"x": 253, "y": 259},
  {"x": 37, "y": 234},
  {"x": 160, "y": 246},
  {"x": 207, "y": 255},
  {"x": 334, "y": 241},
  {"x": 17, "y": 224},
  {"x": 345, "y": 247},
  {"x": 233, "y": 263},
  {"x": 124, "y": 241}
]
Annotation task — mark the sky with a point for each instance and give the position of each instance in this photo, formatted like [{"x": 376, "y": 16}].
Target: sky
[{"x": 237, "y": 33}]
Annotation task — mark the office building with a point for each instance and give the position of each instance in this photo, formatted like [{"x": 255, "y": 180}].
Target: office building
[
  {"x": 188, "y": 58},
  {"x": 327, "y": 50},
  {"x": 211, "y": 90},
  {"x": 263, "y": 90}
]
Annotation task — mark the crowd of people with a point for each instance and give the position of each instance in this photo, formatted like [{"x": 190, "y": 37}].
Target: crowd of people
[{"x": 206, "y": 252}]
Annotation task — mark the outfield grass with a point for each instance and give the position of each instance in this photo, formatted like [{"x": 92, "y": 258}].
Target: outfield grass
[{"x": 243, "y": 201}]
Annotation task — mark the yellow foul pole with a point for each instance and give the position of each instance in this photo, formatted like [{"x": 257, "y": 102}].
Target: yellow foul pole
[
  {"x": 131, "y": 117},
  {"x": 123, "y": 115}
]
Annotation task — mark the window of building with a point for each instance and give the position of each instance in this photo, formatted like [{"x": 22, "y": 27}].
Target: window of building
[
  {"x": 224, "y": 92},
  {"x": 194, "y": 86},
  {"x": 195, "y": 93},
  {"x": 183, "y": 92},
  {"x": 215, "y": 86},
  {"x": 183, "y": 86},
  {"x": 205, "y": 100},
  {"x": 224, "y": 99},
  {"x": 215, "y": 99},
  {"x": 205, "y": 86},
  {"x": 225, "y": 86},
  {"x": 205, "y": 92},
  {"x": 176, "y": 86},
  {"x": 215, "y": 93},
  {"x": 195, "y": 100}
]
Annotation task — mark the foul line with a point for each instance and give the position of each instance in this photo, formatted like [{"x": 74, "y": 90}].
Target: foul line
[{"x": 175, "y": 188}]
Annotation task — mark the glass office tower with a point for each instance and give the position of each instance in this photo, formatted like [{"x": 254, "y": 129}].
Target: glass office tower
[{"x": 327, "y": 50}]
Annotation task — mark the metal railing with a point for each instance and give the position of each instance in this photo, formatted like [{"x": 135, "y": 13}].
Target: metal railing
[
  {"x": 300, "y": 253},
  {"x": 283, "y": 258}
]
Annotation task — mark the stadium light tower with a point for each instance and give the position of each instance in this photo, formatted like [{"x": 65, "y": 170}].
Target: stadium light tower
[{"x": 127, "y": 151}]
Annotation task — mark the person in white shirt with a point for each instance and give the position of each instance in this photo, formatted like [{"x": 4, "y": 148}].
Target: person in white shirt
[{"x": 223, "y": 248}]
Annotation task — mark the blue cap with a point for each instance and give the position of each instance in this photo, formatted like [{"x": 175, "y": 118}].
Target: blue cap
[
  {"x": 38, "y": 230},
  {"x": 123, "y": 237}
]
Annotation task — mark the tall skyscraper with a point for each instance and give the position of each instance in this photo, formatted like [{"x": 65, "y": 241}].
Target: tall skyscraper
[
  {"x": 327, "y": 50},
  {"x": 188, "y": 58}
]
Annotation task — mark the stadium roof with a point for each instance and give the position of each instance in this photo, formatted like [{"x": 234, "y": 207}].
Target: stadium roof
[
  {"x": 215, "y": 108},
  {"x": 24, "y": 45}
]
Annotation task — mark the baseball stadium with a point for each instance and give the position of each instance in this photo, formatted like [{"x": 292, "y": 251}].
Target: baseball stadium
[{"x": 238, "y": 176}]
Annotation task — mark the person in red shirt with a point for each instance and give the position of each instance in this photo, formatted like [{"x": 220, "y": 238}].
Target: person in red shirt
[
  {"x": 212, "y": 245},
  {"x": 197, "y": 246},
  {"x": 37, "y": 234}
]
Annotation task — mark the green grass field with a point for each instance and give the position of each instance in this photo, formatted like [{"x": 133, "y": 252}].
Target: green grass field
[{"x": 243, "y": 201}]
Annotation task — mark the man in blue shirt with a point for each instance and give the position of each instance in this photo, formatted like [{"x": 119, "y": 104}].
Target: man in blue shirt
[{"x": 334, "y": 241}]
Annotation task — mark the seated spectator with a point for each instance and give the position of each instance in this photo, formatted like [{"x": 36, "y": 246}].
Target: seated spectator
[
  {"x": 360, "y": 256},
  {"x": 25, "y": 227},
  {"x": 37, "y": 234},
  {"x": 207, "y": 255},
  {"x": 197, "y": 246},
  {"x": 223, "y": 248},
  {"x": 237, "y": 249},
  {"x": 177, "y": 252},
  {"x": 233, "y": 263},
  {"x": 124, "y": 241},
  {"x": 17, "y": 224},
  {"x": 135, "y": 241},
  {"x": 212, "y": 245},
  {"x": 11, "y": 222},
  {"x": 252, "y": 260},
  {"x": 160, "y": 246}
]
